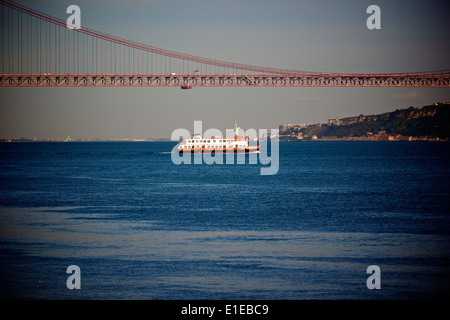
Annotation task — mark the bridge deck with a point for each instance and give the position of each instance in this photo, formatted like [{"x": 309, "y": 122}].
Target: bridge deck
[{"x": 236, "y": 80}]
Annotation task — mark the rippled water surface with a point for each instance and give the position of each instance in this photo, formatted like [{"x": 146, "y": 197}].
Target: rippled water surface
[{"x": 141, "y": 227}]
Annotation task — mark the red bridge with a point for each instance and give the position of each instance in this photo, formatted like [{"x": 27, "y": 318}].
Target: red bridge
[{"x": 39, "y": 50}]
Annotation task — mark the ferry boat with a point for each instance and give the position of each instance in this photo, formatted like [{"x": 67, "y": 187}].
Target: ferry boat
[{"x": 239, "y": 143}]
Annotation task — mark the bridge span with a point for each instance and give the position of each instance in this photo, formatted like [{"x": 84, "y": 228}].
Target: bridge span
[{"x": 39, "y": 50}]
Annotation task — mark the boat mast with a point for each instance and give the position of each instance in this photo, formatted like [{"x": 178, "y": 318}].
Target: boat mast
[{"x": 236, "y": 128}]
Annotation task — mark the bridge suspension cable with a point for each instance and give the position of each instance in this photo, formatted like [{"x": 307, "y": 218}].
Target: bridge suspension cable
[
  {"x": 39, "y": 50},
  {"x": 91, "y": 46}
]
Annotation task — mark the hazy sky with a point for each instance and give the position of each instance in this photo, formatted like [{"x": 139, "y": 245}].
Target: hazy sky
[{"x": 326, "y": 36}]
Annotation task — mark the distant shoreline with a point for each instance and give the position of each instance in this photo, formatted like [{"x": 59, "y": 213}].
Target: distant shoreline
[
  {"x": 82, "y": 140},
  {"x": 370, "y": 139},
  {"x": 427, "y": 123},
  {"x": 348, "y": 139}
]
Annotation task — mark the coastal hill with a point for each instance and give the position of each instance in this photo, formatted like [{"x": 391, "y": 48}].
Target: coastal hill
[{"x": 431, "y": 122}]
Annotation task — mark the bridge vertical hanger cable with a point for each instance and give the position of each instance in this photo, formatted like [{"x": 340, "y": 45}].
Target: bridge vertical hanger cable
[{"x": 63, "y": 53}]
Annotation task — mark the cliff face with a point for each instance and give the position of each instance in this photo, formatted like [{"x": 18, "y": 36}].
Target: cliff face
[
  {"x": 428, "y": 121},
  {"x": 404, "y": 114}
]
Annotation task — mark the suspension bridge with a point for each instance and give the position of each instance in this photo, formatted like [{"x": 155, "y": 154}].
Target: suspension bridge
[{"x": 39, "y": 50}]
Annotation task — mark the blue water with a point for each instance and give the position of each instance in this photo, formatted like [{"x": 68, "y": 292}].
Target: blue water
[{"x": 141, "y": 227}]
